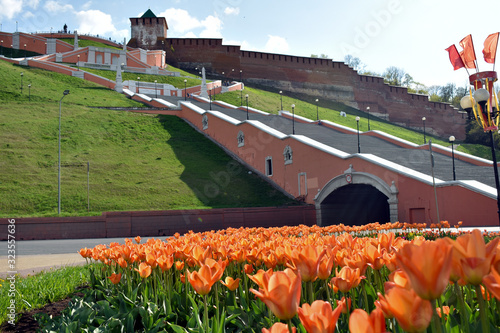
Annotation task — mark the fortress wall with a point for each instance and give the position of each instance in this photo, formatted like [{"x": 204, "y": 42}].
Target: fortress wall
[{"x": 323, "y": 78}]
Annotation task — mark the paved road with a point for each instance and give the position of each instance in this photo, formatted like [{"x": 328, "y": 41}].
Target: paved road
[
  {"x": 33, "y": 256},
  {"x": 416, "y": 159}
]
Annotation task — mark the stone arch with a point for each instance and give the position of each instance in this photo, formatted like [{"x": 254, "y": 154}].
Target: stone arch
[{"x": 364, "y": 180}]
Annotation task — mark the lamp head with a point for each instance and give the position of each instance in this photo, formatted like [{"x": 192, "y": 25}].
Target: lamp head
[
  {"x": 481, "y": 96},
  {"x": 293, "y": 106},
  {"x": 452, "y": 138},
  {"x": 246, "y": 95},
  {"x": 368, "y": 109},
  {"x": 357, "y": 118},
  {"x": 185, "y": 81},
  {"x": 424, "y": 119},
  {"x": 65, "y": 92},
  {"x": 317, "y": 100}
]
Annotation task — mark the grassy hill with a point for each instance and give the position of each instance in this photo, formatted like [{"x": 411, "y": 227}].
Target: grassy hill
[{"x": 137, "y": 162}]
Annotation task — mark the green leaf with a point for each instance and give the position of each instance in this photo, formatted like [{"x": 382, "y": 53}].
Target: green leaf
[{"x": 177, "y": 329}]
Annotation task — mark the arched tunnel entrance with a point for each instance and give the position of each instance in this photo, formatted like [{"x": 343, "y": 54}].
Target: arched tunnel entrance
[
  {"x": 355, "y": 204},
  {"x": 356, "y": 198}
]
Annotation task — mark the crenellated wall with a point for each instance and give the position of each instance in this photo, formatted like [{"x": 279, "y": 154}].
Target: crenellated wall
[{"x": 317, "y": 77}]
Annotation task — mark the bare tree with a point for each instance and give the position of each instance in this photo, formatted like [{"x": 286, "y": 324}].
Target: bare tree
[
  {"x": 394, "y": 75},
  {"x": 354, "y": 62}
]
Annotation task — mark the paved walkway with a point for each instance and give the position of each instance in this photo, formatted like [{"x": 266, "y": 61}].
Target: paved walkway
[{"x": 416, "y": 159}]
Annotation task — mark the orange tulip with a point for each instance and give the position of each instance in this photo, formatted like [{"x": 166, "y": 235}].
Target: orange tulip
[
  {"x": 427, "y": 266},
  {"x": 476, "y": 256},
  {"x": 115, "y": 278},
  {"x": 492, "y": 283},
  {"x": 259, "y": 277},
  {"x": 281, "y": 293},
  {"x": 319, "y": 317},
  {"x": 230, "y": 283},
  {"x": 144, "y": 270},
  {"x": 345, "y": 304},
  {"x": 138, "y": 239},
  {"x": 248, "y": 268},
  {"x": 383, "y": 305},
  {"x": 179, "y": 265},
  {"x": 325, "y": 267},
  {"x": 446, "y": 311},
  {"x": 361, "y": 322},
  {"x": 399, "y": 277},
  {"x": 165, "y": 262},
  {"x": 306, "y": 261},
  {"x": 346, "y": 279},
  {"x": 203, "y": 279},
  {"x": 279, "y": 328},
  {"x": 412, "y": 312}
]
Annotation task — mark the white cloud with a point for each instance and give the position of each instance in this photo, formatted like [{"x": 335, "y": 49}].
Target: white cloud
[
  {"x": 28, "y": 15},
  {"x": 57, "y": 8},
  {"x": 179, "y": 20},
  {"x": 33, "y": 3},
  {"x": 86, "y": 6},
  {"x": 10, "y": 8},
  {"x": 96, "y": 22},
  {"x": 213, "y": 27},
  {"x": 181, "y": 23},
  {"x": 276, "y": 44},
  {"x": 231, "y": 11}
]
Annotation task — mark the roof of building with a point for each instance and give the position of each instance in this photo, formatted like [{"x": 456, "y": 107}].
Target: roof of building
[{"x": 148, "y": 13}]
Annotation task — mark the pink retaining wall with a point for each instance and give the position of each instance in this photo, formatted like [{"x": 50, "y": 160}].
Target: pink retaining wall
[
  {"x": 156, "y": 223},
  {"x": 319, "y": 167}
]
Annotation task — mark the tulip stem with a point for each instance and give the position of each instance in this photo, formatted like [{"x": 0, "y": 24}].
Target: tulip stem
[
  {"x": 328, "y": 291},
  {"x": 436, "y": 324},
  {"x": 461, "y": 305},
  {"x": 483, "y": 311},
  {"x": 205, "y": 318},
  {"x": 310, "y": 291},
  {"x": 289, "y": 321}
]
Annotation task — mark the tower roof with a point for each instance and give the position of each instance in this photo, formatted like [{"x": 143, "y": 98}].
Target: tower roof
[{"x": 148, "y": 13}]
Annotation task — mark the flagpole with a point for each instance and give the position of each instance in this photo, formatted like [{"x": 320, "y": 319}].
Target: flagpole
[
  {"x": 496, "y": 49},
  {"x": 475, "y": 57}
]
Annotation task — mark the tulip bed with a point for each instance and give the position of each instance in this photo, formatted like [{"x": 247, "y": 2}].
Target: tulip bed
[{"x": 293, "y": 279}]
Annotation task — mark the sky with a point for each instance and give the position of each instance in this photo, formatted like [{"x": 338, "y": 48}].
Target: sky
[{"x": 411, "y": 35}]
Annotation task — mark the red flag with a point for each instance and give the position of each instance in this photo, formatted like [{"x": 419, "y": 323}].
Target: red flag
[
  {"x": 455, "y": 58},
  {"x": 490, "y": 48},
  {"x": 468, "y": 55}
]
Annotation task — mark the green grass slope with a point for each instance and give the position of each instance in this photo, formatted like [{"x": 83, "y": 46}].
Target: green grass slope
[{"x": 137, "y": 162}]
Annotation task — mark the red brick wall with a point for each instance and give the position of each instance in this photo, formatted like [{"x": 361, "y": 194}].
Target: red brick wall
[{"x": 156, "y": 223}]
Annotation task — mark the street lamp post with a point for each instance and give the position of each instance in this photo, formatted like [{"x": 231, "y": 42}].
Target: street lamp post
[
  {"x": 1, "y": 47},
  {"x": 22, "y": 74},
  {"x": 78, "y": 63},
  {"x": 241, "y": 91},
  {"x": 210, "y": 98},
  {"x": 293, "y": 118},
  {"x": 138, "y": 84},
  {"x": 247, "y": 105},
  {"x": 185, "y": 89},
  {"x": 480, "y": 107},
  {"x": 423, "y": 120},
  {"x": 357, "y": 126},
  {"x": 452, "y": 140},
  {"x": 368, "y": 111},
  {"x": 281, "y": 98},
  {"x": 156, "y": 91},
  {"x": 29, "y": 92},
  {"x": 317, "y": 110},
  {"x": 59, "y": 160},
  {"x": 25, "y": 50}
]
